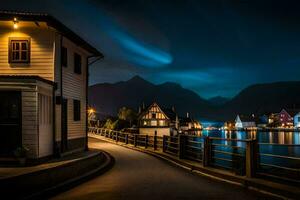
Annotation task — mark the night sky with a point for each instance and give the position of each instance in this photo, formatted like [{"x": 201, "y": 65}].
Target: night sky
[{"x": 212, "y": 47}]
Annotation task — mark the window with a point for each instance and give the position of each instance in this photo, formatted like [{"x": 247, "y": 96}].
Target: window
[
  {"x": 77, "y": 63},
  {"x": 298, "y": 119},
  {"x": 153, "y": 115},
  {"x": 19, "y": 50},
  {"x": 64, "y": 56},
  {"x": 153, "y": 123},
  {"x": 162, "y": 123},
  {"x": 76, "y": 110}
]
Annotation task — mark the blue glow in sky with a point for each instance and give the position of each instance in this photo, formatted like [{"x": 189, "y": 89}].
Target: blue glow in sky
[
  {"x": 142, "y": 54},
  {"x": 211, "y": 47}
]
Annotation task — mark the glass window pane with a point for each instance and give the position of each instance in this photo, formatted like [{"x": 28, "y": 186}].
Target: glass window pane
[
  {"x": 24, "y": 55},
  {"x": 17, "y": 46},
  {"x": 24, "y": 45}
]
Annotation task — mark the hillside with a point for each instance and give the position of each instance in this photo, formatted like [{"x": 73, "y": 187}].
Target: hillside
[
  {"x": 108, "y": 98},
  {"x": 258, "y": 99}
]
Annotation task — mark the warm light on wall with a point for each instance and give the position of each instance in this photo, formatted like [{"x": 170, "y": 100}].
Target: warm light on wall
[
  {"x": 91, "y": 110},
  {"x": 16, "y": 23}
]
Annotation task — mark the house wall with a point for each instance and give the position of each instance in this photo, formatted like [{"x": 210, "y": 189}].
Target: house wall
[
  {"x": 151, "y": 131},
  {"x": 297, "y": 121},
  {"x": 41, "y": 58},
  {"x": 74, "y": 88},
  {"x": 29, "y": 114}
]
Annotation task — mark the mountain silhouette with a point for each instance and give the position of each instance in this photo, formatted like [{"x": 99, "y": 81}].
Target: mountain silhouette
[{"x": 258, "y": 99}]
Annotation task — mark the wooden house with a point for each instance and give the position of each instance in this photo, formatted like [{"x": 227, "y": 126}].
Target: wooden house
[
  {"x": 43, "y": 85},
  {"x": 245, "y": 122},
  {"x": 189, "y": 125},
  {"x": 297, "y": 120},
  {"x": 156, "y": 120},
  {"x": 285, "y": 118}
]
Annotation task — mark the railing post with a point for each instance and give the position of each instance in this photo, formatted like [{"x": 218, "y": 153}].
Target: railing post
[
  {"x": 126, "y": 139},
  {"x": 146, "y": 141},
  {"x": 135, "y": 140},
  {"x": 181, "y": 146},
  {"x": 251, "y": 158},
  {"x": 164, "y": 143},
  {"x": 117, "y": 137},
  {"x": 155, "y": 141},
  {"x": 206, "y": 152}
]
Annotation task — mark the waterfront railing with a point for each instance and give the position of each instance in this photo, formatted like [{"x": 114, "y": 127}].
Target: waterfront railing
[{"x": 242, "y": 157}]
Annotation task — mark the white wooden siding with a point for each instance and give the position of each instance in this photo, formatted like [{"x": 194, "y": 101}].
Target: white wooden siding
[
  {"x": 74, "y": 87},
  {"x": 41, "y": 59},
  {"x": 29, "y": 121}
]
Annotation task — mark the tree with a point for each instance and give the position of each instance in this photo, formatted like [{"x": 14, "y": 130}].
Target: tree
[{"x": 128, "y": 115}]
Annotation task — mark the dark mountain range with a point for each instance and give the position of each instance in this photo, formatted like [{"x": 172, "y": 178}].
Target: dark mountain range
[
  {"x": 263, "y": 98},
  {"x": 218, "y": 100},
  {"x": 258, "y": 99}
]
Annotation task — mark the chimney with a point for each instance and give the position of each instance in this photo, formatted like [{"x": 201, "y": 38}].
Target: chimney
[
  {"x": 187, "y": 115},
  {"x": 143, "y": 106},
  {"x": 173, "y": 108},
  {"x": 140, "y": 110}
]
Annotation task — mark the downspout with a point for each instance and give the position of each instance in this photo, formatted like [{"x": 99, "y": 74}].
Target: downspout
[
  {"x": 61, "y": 97},
  {"x": 86, "y": 94}
]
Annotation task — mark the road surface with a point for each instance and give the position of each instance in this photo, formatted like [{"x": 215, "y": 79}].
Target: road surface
[{"x": 136, "y": 175}]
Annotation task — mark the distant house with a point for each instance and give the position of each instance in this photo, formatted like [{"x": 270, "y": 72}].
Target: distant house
[
  {"x": 244, "y": 122},
  {"x": 229, "y": 125},
  {"x": 286, "y": 118},
  {"x": 189, "y": 125},
  {"x": 297, "y": 120},
  {"x": 156, "y": 120},
  {"x": 43, "y": 85}
]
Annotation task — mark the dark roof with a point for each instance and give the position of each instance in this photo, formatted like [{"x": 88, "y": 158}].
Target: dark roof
[
  {"x": 23, "y": 78},
  {"x": 186, "y": 120},
  {"x": 292, "y": 112},
  {"x": 53, "y": 22}
]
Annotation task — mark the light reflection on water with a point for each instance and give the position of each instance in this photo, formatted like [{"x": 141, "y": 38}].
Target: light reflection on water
[
  {"x": 278, "y": 137},
  {"x": 289, "y": 142}
]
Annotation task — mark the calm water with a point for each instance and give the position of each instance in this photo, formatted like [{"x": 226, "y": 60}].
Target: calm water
[{"x": 282, "y": 143}]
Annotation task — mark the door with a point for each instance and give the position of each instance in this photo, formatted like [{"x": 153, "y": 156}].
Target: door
[
  {"x": 45, "y": 126},
  {"x": 64, "y": 125},
  {"x": 10, "y": 122}
]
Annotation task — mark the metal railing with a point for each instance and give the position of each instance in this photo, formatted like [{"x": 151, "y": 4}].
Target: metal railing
[
  {"x": 271, "y": 164},
  {"x": 243, "y": 157}
]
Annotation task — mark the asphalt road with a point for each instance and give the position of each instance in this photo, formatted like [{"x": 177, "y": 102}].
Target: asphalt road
[{"x": 136, "y": 175}]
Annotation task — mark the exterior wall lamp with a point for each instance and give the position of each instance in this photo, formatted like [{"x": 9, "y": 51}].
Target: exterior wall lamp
[{"x": 15, "y": 23}]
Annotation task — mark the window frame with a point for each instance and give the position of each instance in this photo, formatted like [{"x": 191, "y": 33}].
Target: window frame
[
  {"x": 76, "y": 110},
  {"x": 76, "y": 69},
  {"x": 10, "y": 49}
]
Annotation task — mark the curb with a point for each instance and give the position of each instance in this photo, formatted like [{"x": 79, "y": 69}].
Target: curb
[
  {"x": 218, "y": 176},
  {"x": 44, "y": 183},
  {"x": 64, "y": 186}
]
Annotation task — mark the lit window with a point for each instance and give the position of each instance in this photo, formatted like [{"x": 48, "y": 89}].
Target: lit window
[
  {"x": 19, "y": 50},
  {"x": 161, "y": 122},
  {"x": 153, "y": 123}
]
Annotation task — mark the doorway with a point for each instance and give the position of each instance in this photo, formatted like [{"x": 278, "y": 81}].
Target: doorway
[{"x": 10, "y": 122}]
